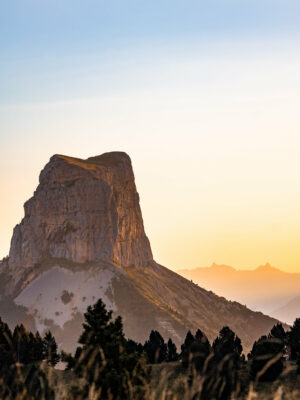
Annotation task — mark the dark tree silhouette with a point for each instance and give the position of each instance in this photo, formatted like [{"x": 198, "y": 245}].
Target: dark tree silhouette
[
  {"x": 195, "y": 350},
  {"x": 200, "y": 350},
  {"x": 6, "y": 346},
  {"x": 38, "y": 347},
  {"x": 21, "y": 344},
  {"x": 224, "y": 365},
  {"x": 188, "y": 341},
  {"x": 278, "y": 332},
  {"x": 227, "y": 344},
  {"x": 134, "y": 347},
  {"x": 103, "y": 359},
  {"x": 266, "y": 358},
  {"x": 172, "y": 354},
  {"x": 155, "y": 348},
  {"x": 294, "y": 340},
  {"x": 50, "y": 349},
  {"x": 23, "y": 347}
]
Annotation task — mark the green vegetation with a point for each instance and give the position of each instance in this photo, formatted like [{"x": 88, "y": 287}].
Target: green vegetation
[{"x": 108, "y": 366}]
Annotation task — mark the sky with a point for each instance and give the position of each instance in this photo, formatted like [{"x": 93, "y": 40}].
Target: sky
[{"x": 203, "y": 95}]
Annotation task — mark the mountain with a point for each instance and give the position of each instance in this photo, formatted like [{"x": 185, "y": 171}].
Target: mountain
[
  {"x": 82, "y": 211},
  {"x": 289, "y": 312},
  {"x": 82, "y": 237},
  {"x": 265, "y": 288}
]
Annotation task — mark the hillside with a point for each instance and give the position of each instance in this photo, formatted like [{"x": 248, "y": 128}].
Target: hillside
[{"x": 289, "y": 312}]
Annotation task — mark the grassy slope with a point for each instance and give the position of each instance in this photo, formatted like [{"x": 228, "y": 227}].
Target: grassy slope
[{"x": 179, "y": 304}]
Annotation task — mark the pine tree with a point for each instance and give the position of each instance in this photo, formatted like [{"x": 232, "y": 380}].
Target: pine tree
[
  {"x": 278, "y": 332},
  {"x": 134, "y": 347},
  {"x": 294, "y": 340},
  {"x": 200, "y": 350},
  {"x": 103, "y": 359},
  {"x": 6, "y": 346},
  {"x": 38, "y": 348},
  {"x": 266, "y": 358},
  {"x": 227, "y": 343},
  {"x": 298, "y": 364},
  {"x": 195, "y": 350},
  {"x": 172, "y": 354},
  {"x": 50, "y": 349},
  {"x": 31, "y": 349},
  {"x": 186, "y": 349},
  {"x": 189, "y": 340},
  {"x": 225, "y": 363},
  {"x": 21, "y": 344},
  {"x": 155, "y": 348}
]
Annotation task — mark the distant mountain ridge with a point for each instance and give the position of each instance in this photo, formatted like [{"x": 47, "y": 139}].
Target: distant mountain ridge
[
  {"x": 82, "y": 237},
  {"x": 290, "y": 311},
  {"x": 266, "y": 288}
]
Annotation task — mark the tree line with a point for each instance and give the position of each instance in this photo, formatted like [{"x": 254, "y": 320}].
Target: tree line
[
  {"x": 21, "y": 354},
  {"x": 22, "y": 347},
  {"x": 115, "y": 367}
]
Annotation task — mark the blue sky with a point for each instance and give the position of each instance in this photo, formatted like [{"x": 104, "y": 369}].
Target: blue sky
[
  {"x": 204, "y": 97},
  {"x": 53, "y": 40},
  {"x": 48, "y": 25}
]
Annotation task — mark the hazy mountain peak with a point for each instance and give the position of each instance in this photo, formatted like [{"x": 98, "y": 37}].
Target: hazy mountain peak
[
  {"x": 223, "y": 267},
  {"x": 267, "y": 268}
]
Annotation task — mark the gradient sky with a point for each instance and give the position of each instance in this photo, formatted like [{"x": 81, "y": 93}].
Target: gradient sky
[{"x": 203, "y": 95}]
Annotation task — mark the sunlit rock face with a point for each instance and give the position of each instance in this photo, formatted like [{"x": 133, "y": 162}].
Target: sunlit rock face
[{"x": 82, "y": 210}]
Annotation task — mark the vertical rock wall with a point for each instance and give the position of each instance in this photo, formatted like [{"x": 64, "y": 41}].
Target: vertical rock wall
[{"x": 82, "y": 210}]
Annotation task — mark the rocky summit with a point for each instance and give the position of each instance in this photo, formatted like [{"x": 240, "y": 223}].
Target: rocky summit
[
  {"x": 82, "y": 238},
  {"x": 82, "y": 210}
]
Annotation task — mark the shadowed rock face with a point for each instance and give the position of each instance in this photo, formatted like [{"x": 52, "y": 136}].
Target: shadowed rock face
[{"x": 82, "y": 210}]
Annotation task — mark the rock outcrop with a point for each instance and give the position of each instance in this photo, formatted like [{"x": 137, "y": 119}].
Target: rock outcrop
[{"x": 82, "y": 210}]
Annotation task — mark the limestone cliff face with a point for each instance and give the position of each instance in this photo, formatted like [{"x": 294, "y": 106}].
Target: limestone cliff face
[{"x": 82, "y": 210}]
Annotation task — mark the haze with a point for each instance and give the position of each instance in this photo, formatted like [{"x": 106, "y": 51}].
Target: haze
[
  {"x": 266, "y": 289},
  {"x": 209, "y": 115}
]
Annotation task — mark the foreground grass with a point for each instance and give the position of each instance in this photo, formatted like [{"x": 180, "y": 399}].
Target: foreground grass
[{"x": 168, "y": 381}]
